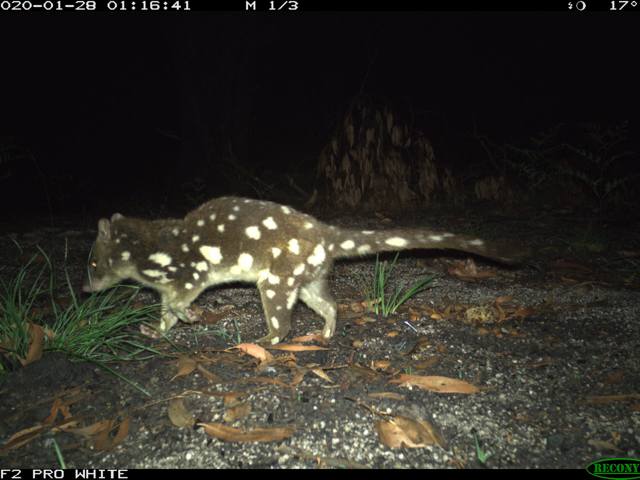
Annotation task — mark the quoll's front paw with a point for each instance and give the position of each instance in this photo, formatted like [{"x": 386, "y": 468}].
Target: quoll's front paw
[
  {"x": 191, "y": 315},
  {"x": 151, "y": 332}
]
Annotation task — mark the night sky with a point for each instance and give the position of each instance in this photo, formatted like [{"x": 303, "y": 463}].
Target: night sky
[{"x": 96, "y": 96}]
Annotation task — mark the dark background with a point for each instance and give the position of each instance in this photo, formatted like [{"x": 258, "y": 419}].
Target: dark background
[{"x": 98, "y": 98}]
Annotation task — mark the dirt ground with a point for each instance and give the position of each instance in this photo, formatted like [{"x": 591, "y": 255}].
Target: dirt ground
[{"x": 554, "y": 385}]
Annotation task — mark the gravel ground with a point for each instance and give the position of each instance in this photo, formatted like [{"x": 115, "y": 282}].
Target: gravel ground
[{"x": 559, "y": 382}]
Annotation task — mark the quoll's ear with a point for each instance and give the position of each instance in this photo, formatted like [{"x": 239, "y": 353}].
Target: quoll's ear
[
  {"x": 104, "y": 231},
  {"x": 116, "y": 216}
]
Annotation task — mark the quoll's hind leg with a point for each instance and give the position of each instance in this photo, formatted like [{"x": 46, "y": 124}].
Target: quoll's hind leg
[
  {"x": 278, "y": 300},
  {"x": 316, "y": 295}
]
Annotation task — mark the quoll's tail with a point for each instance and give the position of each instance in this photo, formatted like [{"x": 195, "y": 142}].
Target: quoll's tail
[{"x": 355, "y": 243}]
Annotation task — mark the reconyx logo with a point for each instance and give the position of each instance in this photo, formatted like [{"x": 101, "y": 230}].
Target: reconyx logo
[{"x": 615, "y": 468}]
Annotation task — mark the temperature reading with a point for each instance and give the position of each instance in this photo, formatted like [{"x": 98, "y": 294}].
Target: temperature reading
[{"x": 620, "y": 4}]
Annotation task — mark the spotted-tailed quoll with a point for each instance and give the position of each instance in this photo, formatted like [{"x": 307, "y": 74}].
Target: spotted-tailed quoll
[{"x": 287, "y": 253}]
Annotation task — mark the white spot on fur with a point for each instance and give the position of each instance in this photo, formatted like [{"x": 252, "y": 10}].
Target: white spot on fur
[
  {"x": 154, "y": 273},
  {"x": 160, "y": 258},
  {"x": 286, "y": 210},
  {"x": 367, "y": 232},
  {"x": 185, "y": 248},
  {"x": 330, "y": 248},
  {"x": 362, "y": 249},
  {"x": 126, "y": 256},
  {"x": 274, "y": 279},
  {"x": 231, "y": 217},
  {"x": 275, "y": 340},
  {"x": 291, "y": 299},
  {"x": 200, "y": 223},
  {"x": 201, "y": 266},
  {"x": 299, "y": 269},
  {"x": 436, "y": 238},
  {"x": 176, "y": 231},
  {"x": 290, "y": 281},
  {"x": 348, "y": 245},
  {"x": 212, "y": 217},
  {"x": 236, "y": 208},
  {"x": 318, "y": 256},
  {"x": 270, "y": 223},
  {"x": 221, "y": 228},
  {"x": 245, "y": 261},
  {"x": 253, "y": 233},
  {"x": 263, "y": 275},
  {"x": 396, "y": 242},
  {"x": 476, "y": 243},
  {"x": 188, "y": 286},
  {"x": 275, "y": 323},
  {"x": 276, "y": 252},
  {"x": 294, "y": 247},
  {"x": 196, "y": 276},
  {"x": 308, "y": 225},
  {"x": 195, "y": 238},
  {"x": 117, "y": 241},
  {"x": 212, "y": 254},
  {"x": 271, "y": 293},
  {"x": 172, "y": 269}
]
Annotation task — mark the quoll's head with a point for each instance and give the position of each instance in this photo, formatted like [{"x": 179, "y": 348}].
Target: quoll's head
[{"x": 103, "y": 267}]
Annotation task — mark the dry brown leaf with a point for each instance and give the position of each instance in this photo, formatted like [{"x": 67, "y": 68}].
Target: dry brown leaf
[
  {"x": 295, "y": 348},
  {"x": 230, "y": 434},
  {"x": 504, "y": 299},
  {"x": 299, "y": 375},
  {"x": 364, "y": 320},
  {"x": 254, "y": 350},
  {"x": 310, "y": 338},
  {"x": 237, "y": 412},
  {"x": 186, "y": 365},
  {"x": 438, "y": 384},
  {"x": 604, "y": 444},
  {"x": 23, "y": 436},
  {"x": 90, "y": 430},
  {"x": 53, "y": 412},
  {"x": 382, "y": 364},
  {"x": 633, "y": 408},
  {"x": 606, "y": 399},
  {"x": 404, "y": 432},
  {"x": 208, "y": 375},
  {"x": 427, "y": 363},
  {"x": 36, "y": 338},
  {"x": 263, "y": 380},
  {"x": 179, "y": 415},
  {"x": 516, "y": 334},
  {"x": 523, "y": 312},
  {"x": 420, "y": 431},
  {"x": 613, "y": 378},
  {"x": 357, "y": 307},
  {"x": 103, "y": 440},
  {"x": 321, "y": 373}
]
